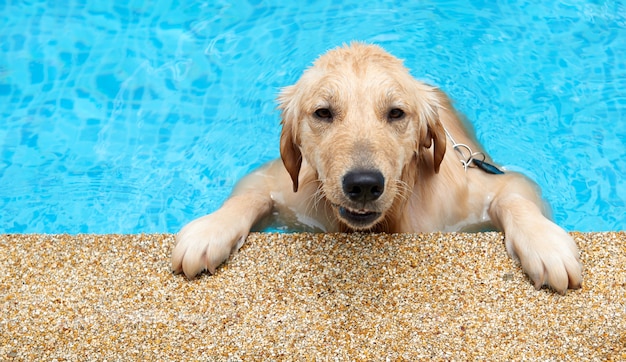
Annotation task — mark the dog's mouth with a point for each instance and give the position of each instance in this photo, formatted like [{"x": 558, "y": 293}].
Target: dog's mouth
[{"x": 358, "y": 219}]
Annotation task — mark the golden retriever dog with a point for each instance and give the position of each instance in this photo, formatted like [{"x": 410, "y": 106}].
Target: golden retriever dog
[{"x": 366, "y": 147}]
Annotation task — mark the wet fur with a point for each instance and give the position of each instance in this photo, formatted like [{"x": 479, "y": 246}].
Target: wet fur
[{"x": 423, "y": 190}]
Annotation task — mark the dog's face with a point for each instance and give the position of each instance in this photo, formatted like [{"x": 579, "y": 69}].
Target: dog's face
[{"x": 361, "y": 121}]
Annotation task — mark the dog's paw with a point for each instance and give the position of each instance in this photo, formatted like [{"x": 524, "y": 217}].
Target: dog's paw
[
  {"x": 204, "y": 244},
  {"x": 548, "y": 255}
]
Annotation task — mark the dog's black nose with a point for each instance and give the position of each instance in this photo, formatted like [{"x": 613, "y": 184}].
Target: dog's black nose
[{"x": 365, "y": 185}]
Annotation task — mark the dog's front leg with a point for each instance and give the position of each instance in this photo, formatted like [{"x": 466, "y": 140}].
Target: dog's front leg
[
  {"x": 547, "y": 253},
  {"x": 206, "y": 242}
]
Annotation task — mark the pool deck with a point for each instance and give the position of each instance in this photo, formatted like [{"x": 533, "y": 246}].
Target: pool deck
[{"x": 304, "y": 297}]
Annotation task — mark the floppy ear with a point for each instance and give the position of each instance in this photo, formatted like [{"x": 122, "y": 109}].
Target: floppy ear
[
  {"x": 438, "y": 135},
  {"x": 290, "y": 154},
  {"x": 434, "y": 131},
  {"x": 289, "y": 150}
]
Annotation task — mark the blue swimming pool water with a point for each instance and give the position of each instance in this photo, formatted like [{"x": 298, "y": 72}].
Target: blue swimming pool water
[{"x": 138, "y": 116}]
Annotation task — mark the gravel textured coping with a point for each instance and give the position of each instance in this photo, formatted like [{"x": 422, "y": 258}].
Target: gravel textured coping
[{"x": 305, "y": 297}]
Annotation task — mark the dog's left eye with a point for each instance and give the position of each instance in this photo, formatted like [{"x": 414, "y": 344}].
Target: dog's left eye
[{"x": 395, "y": 114}]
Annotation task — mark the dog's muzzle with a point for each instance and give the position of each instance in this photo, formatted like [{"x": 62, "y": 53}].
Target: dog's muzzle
[{"x": 361, "y": 187}]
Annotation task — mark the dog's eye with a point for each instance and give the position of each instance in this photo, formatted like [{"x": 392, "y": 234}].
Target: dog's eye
[
  {"x": 395, "y": 114},
  {"x": 324, "y": 114}
]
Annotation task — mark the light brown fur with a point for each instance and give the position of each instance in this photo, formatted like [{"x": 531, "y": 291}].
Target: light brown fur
[{"x": 361, "y": 86}]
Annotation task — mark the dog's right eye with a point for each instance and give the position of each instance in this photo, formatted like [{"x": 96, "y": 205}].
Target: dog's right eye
[
  {"x": 324, "y": 114},
  {"x": 396, "y": 114}
]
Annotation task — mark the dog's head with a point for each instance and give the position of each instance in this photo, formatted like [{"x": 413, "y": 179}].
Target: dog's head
[{"x": 360, "y": 120}]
